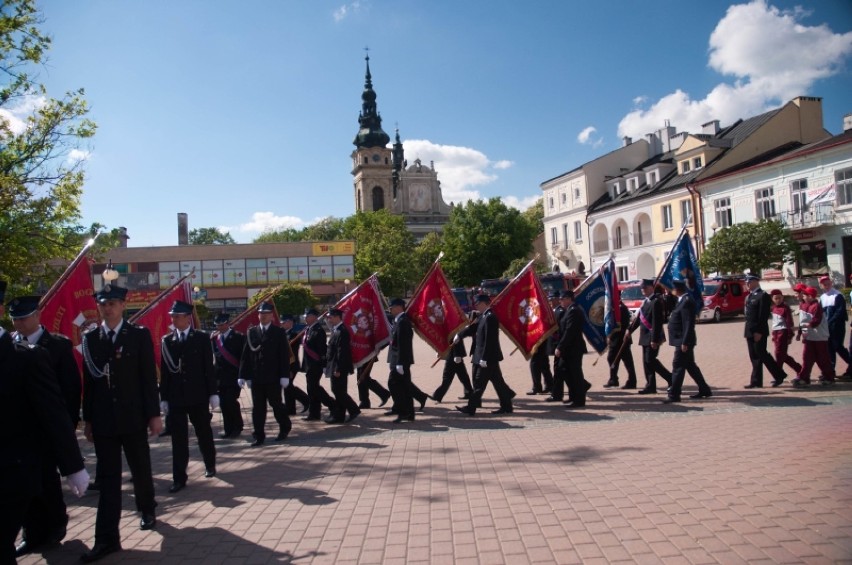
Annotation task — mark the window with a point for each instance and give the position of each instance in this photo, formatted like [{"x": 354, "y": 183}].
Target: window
[
  {"x": 799, "y": 195},
  {"x": 564, "y": 198},
  {"x": 550, "y": 202},
  {"x": 651, "y": 178},
  {"x": 765, "y": 203},
  {"x": 622, "y": 273},
  {"x": 576, "y": 194},
  {"x": 696, "y": 163},
  {"x": 616, "y": 238},
  {"x": 722, "y": 208},
  {"x": 684, "y": 167},
  {"x": 638, "y": 233},
  {"x": 565, "y": 233},
  {"x": 554, "y": 238},
  {"x": 668, "y": 221},
  {"x": 686, "y": 211},
  {"x": 378, "y": 198},
  {"x": 843, "y": 180},
  {"x": 578, "y": 232},
  {"x": 616, "y": 189}
]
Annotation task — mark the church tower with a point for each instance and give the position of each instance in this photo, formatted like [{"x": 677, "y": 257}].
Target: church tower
[{"x": 383, "y": 178}]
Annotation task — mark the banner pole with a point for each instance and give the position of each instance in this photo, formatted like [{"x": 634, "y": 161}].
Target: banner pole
[{"x": 55, "y": 287}]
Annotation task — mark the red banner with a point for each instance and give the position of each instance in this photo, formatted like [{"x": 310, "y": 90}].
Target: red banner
[
  {"x": 364, "y": 316},
  {"x": 248, "y": 317},
  {"x": 524, "y": 312},
  {"x": 156, "y": 317},
  {"x": 71, "y": 309},
  {"x": 434, "y": 311}
]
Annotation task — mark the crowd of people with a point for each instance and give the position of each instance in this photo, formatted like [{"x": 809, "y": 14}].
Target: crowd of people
[{"x": 122, "y": 403}]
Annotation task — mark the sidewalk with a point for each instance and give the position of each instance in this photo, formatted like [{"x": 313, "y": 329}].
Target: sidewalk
[{"x": 753, "y": 476}]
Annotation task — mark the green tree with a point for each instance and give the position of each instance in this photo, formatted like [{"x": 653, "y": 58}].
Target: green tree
[
  {"x": 426, "y": 252},
  {"x": 41, "y": 153},
  {"x": 327, "y": 229},
  {"x": 210, "y": 236},
  {"x": 285, "y": 235},
  {"x": 382, "y": 244},
  {"x": 515, "y": 267},
  {"x": 482, "y": 239},
  {"x": 290, "y": 298},
  {"x": 754, "y": 246},
  {"x": 535, "y": 215}
]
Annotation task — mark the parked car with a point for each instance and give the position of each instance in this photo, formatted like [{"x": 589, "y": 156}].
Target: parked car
[{"x": 723, "y": 297}]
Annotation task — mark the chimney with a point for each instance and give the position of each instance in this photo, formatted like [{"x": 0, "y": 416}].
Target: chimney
[
  {"x": 122, "y": 236},
  {"x": 626, "y": 140},
  {"x": 711, "y": 127},
  {"x": 847, "y": 122},
  {"x": 183, "y": 228},
  {"x": 810, "y": 118}
]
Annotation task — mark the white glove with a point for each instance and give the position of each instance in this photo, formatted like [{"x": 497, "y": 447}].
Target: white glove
[
  {"x": 457, "y": 359},
  {"x": 483, "y": 364},
  {"x": 78, "y": 482},
  {"x": 214, "y": 401},
  {"x": 164, "y": 407},
  {"x": 285, "y": 382},
  {"x": 241, "y": 383},
  {"x": 400, "y": 369}
]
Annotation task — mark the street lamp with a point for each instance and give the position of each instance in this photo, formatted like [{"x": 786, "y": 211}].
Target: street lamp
[
  {"x": 346, "y": 285},
  {"x": 714, "y": 226},
  {"x": 109, "y": 275}
]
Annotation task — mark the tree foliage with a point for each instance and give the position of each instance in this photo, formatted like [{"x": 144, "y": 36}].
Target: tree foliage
[
  {"x": 515, "y": 267},
  {"x": 210, "y": 236},
  {"x": 327, "y": 229},
  {"x": 290, "y": 298},
  {"x": 535, "y": 215},
  {"x": 754, "y": 246},
  {"x": 426, "y": 252},
  {"x": 482, "y": 239},
  {"x": 41, "y": 154},
  {"x": 383, "y": 244}
]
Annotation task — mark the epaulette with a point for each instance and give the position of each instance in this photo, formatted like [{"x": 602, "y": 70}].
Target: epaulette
[{"x": 61, "y": 336}]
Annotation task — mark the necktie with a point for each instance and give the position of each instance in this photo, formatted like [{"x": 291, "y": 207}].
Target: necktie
[
  {"x": 24, "y": 338},
  {"x": 111, "y": 335},
  {"x": 182, "y": 337}
]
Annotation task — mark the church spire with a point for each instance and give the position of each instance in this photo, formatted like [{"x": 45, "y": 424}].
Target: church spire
[{"x": 370, "y": 133}]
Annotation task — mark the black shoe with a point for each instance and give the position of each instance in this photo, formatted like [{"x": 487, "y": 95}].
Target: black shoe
[
  {"x": 533, "y": 392},
  {"x": 588, "y": 385},
  {"x": 166, "y": 432},
  {"x": 210, "y": 473},
  {"x": 311, "y": 418},
  {"x": 237, "y": 433},
  {"x": 777, "y": 382},
  {"x": 629, "y": 385},
  {"x": 671, "y": 399},
  {"x": 752, "y": 385},
  {"x": 611, "y": 383},
  {"x": 176, "y": 487},
  {"x": 465, "y": 397},
  {"x": 423, "y": 403},
  {"x": 256, "y": 442},
  {"x": 465, "y": 410},
  {"x": 384, "y": 401},
  {"x": 26, "y": 547},
  {"x": 547, "y": 390},
  {"x": 575, "y": 405},
  {"x": 352, "y": 417},
  {"x": 147, "y": 522},
  {"x": 402, "y": 419},
  {"x": 305, "y": 408},
  {"x": 705, "y": 394},
  {"x": 291, "y": 412},
  {"x": 333, "y": 420},
  {"x": 647, "y": 391},
  {"x": 552, "y": 399},
  {"x": 281, "y": 437},
  {"x": 224, "y": 435},
  {"x": 364, "y": 405},
  {"x": 99, "y": 551},
  {"x": 503, "y": 411}
]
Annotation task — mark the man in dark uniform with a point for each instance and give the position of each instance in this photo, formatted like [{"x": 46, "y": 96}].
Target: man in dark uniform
[
  {"x": 650, "y": 320},
  {"x": 682, "y": 337},
  {"x": 265, "y": 370},
  {"x": 187, "y": 385},
  {"x": 540, "y": 365},
  {"x": 558, "y": 311},
  {"x": 228, "y": 345},
  {"x": 314, "y": 348},
  {"x": 758, "y": 306},
  {"x": 454, "y": 367},
  {"x": 293, "y": 393},
  {"x": 570, "y": 351},
  {"x": 400, "y": 359},
  {"x": 366, "y": 384},
  {"x": 47, "y": 517},
  {"x": 338, "y": 367},
  {"x": 120, "y": 403},
  {"x": 614, "y": 342},
  {"x": 487, "y": 356},
  {"x": 33, "y": 418},
  {"x": 557, "y": 391}
]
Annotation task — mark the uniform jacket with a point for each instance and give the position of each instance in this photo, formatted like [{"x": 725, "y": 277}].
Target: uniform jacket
[
  {"x": 571, "y": 342},
  {"x": 458, "y": 349},
  {"x": 339, "y": 355},
  {"x": 234, "y": 343},
  {"x": 123, "y": 402},
  {"x": 195, "y": 380},
  {"x": 834, "y": 306},
  {"x": 33, "y": 417},
  {"x": 65, "y": 368},
  {"x": 401, "y": 349},
  {"x": 271, "y": 359},
  {"x": 469, "y": 331},
  {"x": 553, "y": 340},
  {"x": 758, "y": 306},
  {"x": 487, "y": 340},
  {"x": 651, "y": 313},
  {"x": 314, "y": 347},
  {"x": 813, "y": 321},
  {"x": 295, "y": 365},
  {"x": 782, "y": 318},
  {"x": 682, "y": 323}
]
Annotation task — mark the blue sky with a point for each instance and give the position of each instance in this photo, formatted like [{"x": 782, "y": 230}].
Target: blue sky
[{"x": 242, "y": 114}]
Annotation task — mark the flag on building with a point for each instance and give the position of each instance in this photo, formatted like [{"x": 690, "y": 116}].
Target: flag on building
[
  {"x": 155, "y": 316},
  {"x": 682, "y": 264},
  {"x": 69, "y": 307},
  {"x": 434, "y": 311},
  {"x": 524, "y": 312},
  {"x": 365, "y": 319}
]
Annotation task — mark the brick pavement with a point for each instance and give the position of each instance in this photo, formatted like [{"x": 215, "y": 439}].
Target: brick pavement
[{"x": 759, "y": 476}]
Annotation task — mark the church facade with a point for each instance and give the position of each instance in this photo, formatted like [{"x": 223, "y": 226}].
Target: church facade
[{"x": 383, "y": 178}]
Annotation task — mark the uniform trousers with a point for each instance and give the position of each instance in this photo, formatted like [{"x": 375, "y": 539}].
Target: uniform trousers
[
  {"x": 292, "y": 393},
  {"x": 232, "y": 416},
  {"x": 653, "y": 367},
  {"x": 481, "y": 377},
  {"x": 759, "y": 357},
  {"x": 626, "y": 356},
  {"x": 570, "y": 367},
  {"x": 15, "y": 505},
  {"x": 46, "y": 512},
  {"x": 780, "y": 343},
  {"x": 343, "y": 403},
  {"x": 138, "y": 455},
  {"x": 836, "y": 336},
  {"x": 682, "y": 363},
  {"x": 317, "y": 395},
  {"x": 452, "y": 370},
  {"x": 199, "y": 415},
  {"x": 400, "y": 386},
  {"x": 270, "y": 393},
  {"x": 367, "y": 384},
  {"x": 815, "y": 352},
  {"x": 540, "y": 367}
]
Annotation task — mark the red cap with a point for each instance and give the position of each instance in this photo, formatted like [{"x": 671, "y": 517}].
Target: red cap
[
  {"x": 824, "y": 279},
  {"x": 810, "y": 291},
  {"x": 775, "y": 292},
  {"x": 799, "y": 287}
]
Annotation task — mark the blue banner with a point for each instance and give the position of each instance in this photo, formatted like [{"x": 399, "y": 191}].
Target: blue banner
[
  {"x": 591, "y": 298},
  {"x": 683, "y": 266},
  {"x": 612, "y": 300}
]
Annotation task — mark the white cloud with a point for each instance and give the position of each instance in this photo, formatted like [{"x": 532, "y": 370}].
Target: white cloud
[
  {"x": 771, "y": 57},
  {"x": 521, "y": 203},
  {"x": 15, "y": 115},
  {"x": 344, "y": 10},
  {"x": 263, "y": 221},
  {"x": 77, "y": 155},
  {"x": 460, "y": 169},
  {"x": 585, "y": 137}
]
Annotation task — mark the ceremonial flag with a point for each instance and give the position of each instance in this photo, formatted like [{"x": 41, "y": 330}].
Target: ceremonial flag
[
  {"x": 69, "y": 307},
  {"x": 682, "y": 264},
  {"x": 434, "y": 311},
  {"x": 365, "y": 319},
  {"x": 591, "y": 297},
  {"x": 612, "y": 298},
  {"x": 248, "y": 318},
  {"x": 524, "y": 312},
  {"x": 155, "y": 316}
]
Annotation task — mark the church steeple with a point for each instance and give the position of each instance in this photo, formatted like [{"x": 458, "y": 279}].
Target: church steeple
[{"x": 370, "y": 133}]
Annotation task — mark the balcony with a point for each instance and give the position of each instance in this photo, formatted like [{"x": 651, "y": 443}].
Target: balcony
[{"x": 813, "y": 216}]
